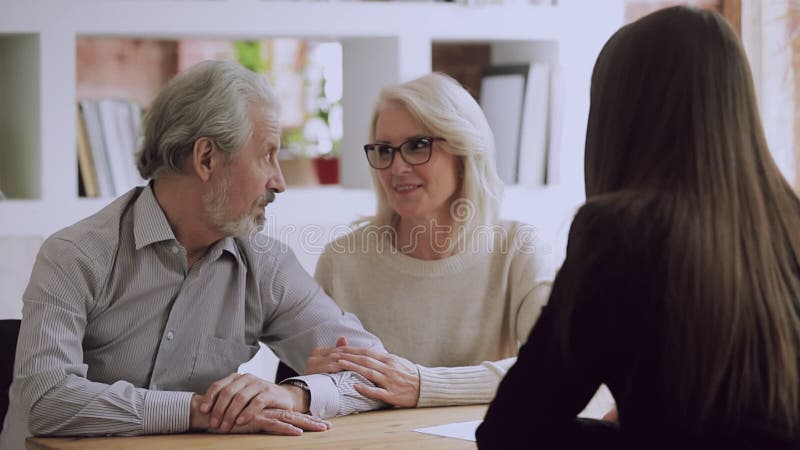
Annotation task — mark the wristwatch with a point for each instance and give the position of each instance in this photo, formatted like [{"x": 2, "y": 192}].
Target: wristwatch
[{"x": 299, "y": 383}]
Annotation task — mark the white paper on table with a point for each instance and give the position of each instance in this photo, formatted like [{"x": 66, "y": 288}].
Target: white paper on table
[
  {"x": 599, "y": 405},
  {"x": 458, "y": 430}
]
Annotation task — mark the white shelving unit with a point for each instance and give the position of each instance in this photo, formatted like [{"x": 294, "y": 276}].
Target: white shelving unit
[{"x": 383, "y": 42}]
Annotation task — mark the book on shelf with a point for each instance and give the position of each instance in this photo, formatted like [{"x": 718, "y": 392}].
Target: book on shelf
[
  {"x": 555, "y": 124},
  {"x": 90, "y": 117},
  {"x": 114, "y": 146},
  {"x": 86, "y": 171},
  {"x": 112, "y": 132},
  {"x": 501, "y": 97},
  {"x": 532, "y": 161},
  {"x": 516, "y": 101}
]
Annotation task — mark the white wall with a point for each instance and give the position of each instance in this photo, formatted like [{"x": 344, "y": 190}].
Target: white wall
[{"x": 16, "y": 262}]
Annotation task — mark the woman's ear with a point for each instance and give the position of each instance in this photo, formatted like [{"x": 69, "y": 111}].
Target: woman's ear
[{"x": 204, "y": 159}]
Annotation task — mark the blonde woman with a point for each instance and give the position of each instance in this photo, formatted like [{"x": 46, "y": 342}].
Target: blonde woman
[{"x": 435, "y": 274}]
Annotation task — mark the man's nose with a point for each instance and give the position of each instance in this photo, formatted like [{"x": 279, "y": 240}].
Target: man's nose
[{"x": 275, "y": 182}]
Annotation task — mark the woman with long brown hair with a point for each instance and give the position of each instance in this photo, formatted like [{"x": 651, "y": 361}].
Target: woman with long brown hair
[{"x": 680, "y": 289}]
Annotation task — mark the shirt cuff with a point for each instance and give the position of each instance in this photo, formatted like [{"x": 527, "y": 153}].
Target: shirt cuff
[
  {"x": 166, "y": 412},
  {"x": 324, "y": 395}
]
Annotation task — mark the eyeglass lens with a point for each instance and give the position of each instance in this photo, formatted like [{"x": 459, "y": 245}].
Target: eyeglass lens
[{"x": 414, "y": 152}]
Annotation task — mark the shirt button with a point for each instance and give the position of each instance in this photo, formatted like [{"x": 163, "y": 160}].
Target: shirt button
[
  {"x": 174, "y": 250},
  {"x": 170, "y": 335}
]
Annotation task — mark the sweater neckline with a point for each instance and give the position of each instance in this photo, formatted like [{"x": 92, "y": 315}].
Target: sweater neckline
[{"x": 452, "y": 264}]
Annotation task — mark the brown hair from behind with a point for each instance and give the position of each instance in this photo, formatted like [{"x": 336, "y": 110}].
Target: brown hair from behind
[{"x": 673, "y": 115}]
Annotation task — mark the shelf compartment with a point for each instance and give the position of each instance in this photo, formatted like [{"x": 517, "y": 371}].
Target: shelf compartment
[{"x": 20, "y": 116}]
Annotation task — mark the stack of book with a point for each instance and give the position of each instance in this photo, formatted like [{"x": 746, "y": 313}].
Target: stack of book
[{"x": 108, "y": 138}]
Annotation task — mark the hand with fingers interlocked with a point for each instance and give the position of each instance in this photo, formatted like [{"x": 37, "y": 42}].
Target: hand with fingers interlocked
[
  {"x": 244, "y": 403},
  {"x": 396, "y": 379}
]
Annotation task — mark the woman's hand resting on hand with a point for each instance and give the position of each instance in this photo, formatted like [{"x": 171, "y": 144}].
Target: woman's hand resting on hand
[{"x": 396, "y": 379}]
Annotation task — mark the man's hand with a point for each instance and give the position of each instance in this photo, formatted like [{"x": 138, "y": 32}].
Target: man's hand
[
  {"x": 237, "y": 399},
  {"x": 396, "y": 378},
  {"x": 321, "y": 361},
  {"x": 274, "y": 421},
  {"x": 279, "y": 421}
]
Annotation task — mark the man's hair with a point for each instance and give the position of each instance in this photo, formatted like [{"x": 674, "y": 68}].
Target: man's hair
[
  {"x": 443, "y": 108},
  {"x": 212, "y": 99}
]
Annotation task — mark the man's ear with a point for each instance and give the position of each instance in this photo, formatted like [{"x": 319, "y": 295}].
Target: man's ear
[{"x": 204, "y": 158}]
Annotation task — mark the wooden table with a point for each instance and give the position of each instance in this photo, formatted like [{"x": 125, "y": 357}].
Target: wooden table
[{"x": 389, "y": 429}]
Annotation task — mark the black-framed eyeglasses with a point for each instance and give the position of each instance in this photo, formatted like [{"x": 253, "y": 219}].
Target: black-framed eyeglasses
[{"x": 414, "y": 152}]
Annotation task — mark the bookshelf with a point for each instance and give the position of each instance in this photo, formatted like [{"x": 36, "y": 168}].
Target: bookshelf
[{"x": 382, "y": 42}]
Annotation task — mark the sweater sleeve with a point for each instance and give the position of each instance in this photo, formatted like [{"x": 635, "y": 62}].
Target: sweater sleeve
[{"x": 443, "y": 386}]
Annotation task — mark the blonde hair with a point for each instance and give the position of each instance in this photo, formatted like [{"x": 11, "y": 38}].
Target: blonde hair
[{"x": 446, "y": 110}]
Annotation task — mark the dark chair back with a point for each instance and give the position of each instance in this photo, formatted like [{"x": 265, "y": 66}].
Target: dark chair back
[{"x": 9, "y": 332}]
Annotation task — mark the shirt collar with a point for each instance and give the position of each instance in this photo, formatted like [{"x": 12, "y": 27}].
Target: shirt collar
[
  {"x": 150, "y": 225},
  {"x": 227, "y": 244}
]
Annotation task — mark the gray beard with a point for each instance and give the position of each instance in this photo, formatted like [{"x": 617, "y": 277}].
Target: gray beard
[{"x": 215, "y": 203}]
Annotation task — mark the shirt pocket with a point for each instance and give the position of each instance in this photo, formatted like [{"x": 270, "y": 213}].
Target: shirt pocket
[{"x": 216, "y": 359}]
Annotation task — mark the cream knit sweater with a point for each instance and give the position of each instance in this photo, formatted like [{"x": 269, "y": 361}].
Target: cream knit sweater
[{"x": 461, "y": 318}]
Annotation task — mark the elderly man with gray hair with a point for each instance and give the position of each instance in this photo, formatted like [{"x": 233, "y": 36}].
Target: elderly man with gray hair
[{"x": 136, "y": 319}]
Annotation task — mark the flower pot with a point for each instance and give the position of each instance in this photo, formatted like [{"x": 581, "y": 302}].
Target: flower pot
[{"x": 327, "y": 169}]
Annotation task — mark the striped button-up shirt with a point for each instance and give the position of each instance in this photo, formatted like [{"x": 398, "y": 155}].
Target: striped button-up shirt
[{"x": 118, "y": 332}]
